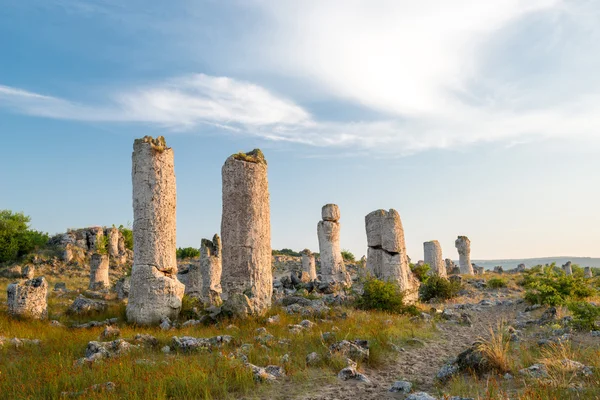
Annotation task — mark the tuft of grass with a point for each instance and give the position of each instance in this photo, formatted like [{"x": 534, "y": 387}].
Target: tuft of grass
[
  {"x": 255, "y": 156},
  {"x": 496, "y": 347},
  {"x": 496, "y": 283}
]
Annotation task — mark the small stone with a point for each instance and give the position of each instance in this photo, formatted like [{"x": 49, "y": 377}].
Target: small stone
[
  {"x": 420, "y": 396},
  {"x": 110, "y": 332},
  {"x": 313, "y": 359},
  {"x": 165, "y": 349},
  {"x": 401, "y": 387}
]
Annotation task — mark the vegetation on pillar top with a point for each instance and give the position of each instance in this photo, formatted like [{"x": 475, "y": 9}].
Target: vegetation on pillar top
[
  {"x": 159, "y": 144},
  {"x": 255, "y": 156}
]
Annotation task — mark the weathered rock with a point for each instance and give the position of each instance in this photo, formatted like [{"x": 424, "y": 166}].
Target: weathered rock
[
  {"x": 535, "y": 371},
  {"x": 122, "y": 287},
  {"x": 356, "y": 350},
  {"x": 587, "y": 272},
  {"x": 210, "y": 266},
  {"x": 110, "y": 332},
  {"x": 478, "y": 270},
  {"x": 99, "y": 272},
  {"x": 96, "y": 324},
  {"x": 433, "y": 257},
  {"x": 95, "y": 238},
  {"x": 113, "y": 242},
  {"x": 145, "y": 340},
  {"x": 246, "y": 279},
  {"x": 28, "y": 272},
  {"x": 498, "y": 269},
  {"x": 521, "y": 268},
  {"x": 313, "y": 359},
  {"x": 568, "y": 268},
  {"x": 463, "y": 245},
  {"x": 308, "y": 264},
  {"x": 28, "y": 299},
  {"x": 420, "y": 396},
  {"x": 350, "y": 373},
  {"x": 447, "y": 371},
  {"x": 401, "y": 387},
  {"x": 83, "y": 305},
  {"x": 332, "y": 263},
  {"x": 96, "y": 351},
  {"x": 155, "y": 291},
  {"x": 386, "y": 256},
  {"x": 188, "y": 343},
  {"x": 267, "y": 374}
]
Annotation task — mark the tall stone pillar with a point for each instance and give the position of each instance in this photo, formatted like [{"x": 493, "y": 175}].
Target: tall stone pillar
[
  {"x": 433, "y": 257},
  {"x": 463, "y": 245},
  {"x": 308, "y": 264},
  {"x": 247, "y": 279},
  {"x": 211, "y": 266},
  {"x": 155, "y": 291},
  {"x": 333, "y": 269},
  {"x": 587, "y": 272},
  {"x": 386, "y": 255},
  {"x": 99, "y": 272},
  {"x": 567, "y": 268}
]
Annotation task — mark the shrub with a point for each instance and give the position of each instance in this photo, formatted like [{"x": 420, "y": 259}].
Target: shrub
[
  {"x": 285, "y": 252},
  {"x": 585, "y": 314},
  {"x": 549, "y": 285},
  {"x": 381, "y": 295},
  {"x": 347, "y": 255},
  {"x": 189, "y": 307},
  {"x": 16, "y": 237},
  {"x": 420, "y": 271},
  {"x": 187, "y": 252},
  {"x": 496, "y": 283},
  {"x": 127, "y": 236},
  {"x": 439, "y": 288}
]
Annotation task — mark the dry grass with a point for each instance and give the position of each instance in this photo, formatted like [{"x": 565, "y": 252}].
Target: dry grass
[{"x": 496, "y": 347}]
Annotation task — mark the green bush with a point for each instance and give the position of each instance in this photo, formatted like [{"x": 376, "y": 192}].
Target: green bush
[
  {"x": 383, "y": 296},
  {"x": 127, "y": 236},
  {"x": 496, "y": 283},
  {"x": 420, "y": 271},
  {"x": 187, "y": 252},
  {"x": 16, "y": 237},
  {"x": 285, "y": 252},
  {"x": 549, "y": 285},
  {"x": 347, "y": 255},
  {"x": 439, "y": 288},
  {"x": 585, "y": 314}
]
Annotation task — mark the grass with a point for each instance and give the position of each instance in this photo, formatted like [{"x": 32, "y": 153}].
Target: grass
[
  {"x": 203, "y": 375},
  {"x": 496, "y": 348}
]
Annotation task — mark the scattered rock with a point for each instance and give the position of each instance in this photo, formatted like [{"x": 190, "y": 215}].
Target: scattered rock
[
  {"x": 313, "y": 359},
  {"x": 82, "y": 305},
  {"x": 403, "y": 387},
  {"x": 27, "y": 299},
  {"x": 357, "y": 350},
  {"x": 110, "y": 332},
  {"x": 96, "y": 351}
]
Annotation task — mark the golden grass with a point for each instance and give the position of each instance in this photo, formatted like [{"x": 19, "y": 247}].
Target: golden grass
[{"x": 496, "y": 347}]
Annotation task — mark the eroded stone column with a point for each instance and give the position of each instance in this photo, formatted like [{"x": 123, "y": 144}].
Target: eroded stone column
[
  {"x": 567, "y": 268},
  {"x": 308, "y": 264},
  {"x": 246, "y": 280},
  {"x": 463, "y": 245},
  {"x": 28, "y": 299},
  {"x": 155, "y": 291},
  {"x": 333, "y": 269},
  {"x": 386, "y": 255},
  {"x": 433, "y": 257},
  {"x": 587, "y": 272},
  {"x": 99, "y": 272},
  {"x": 113, "y": 242},
  {"x": 211, "y": 267}
]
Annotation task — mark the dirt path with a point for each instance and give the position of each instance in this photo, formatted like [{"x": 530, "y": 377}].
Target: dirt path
[{"x": 417, "y": 363}]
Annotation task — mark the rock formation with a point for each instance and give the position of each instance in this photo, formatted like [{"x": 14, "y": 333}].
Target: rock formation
[
  {"x": 587, "y": 272},
  {"x": 77, "y": 244},
  {"x": 28, "y": 272},
  {"x": 99, "y": 272},
  {"x": 478, "y": 270},
  {"x": 27, "y": 299},
  {"x": 308, "y": 264},
  {"x": 449, "y": 266},
  {"x": 246, "y": 280},
  {"x": 567, "y": 268},
  {"x": 433, "y": 257},
  {"x": 386, "y": 254},
  {"x": 210, "y": 268},
  {"x": 463, "y": 245},
  {"x": 333, "y": 269},
  {"x": 155, "y": 291}
]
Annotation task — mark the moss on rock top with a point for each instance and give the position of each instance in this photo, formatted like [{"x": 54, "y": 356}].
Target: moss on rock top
[
  {"x": 158, "y": 144},
  {"x": 255, "y": 156}
]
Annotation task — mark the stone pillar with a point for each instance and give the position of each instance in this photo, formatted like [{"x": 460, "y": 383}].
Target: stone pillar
[
  {"x": 99, "y": 272},
  {"x": 308, "y": 264},
  {"x": 567, "y": 268},
  {"x": 95, "y": 238},
  {"x": 211, "y": 268},
  {"x": 386, "y": 255},
  {"x": 449, "y": 266},
  {"x": 587, "y": 272},
  {"x": 333, "y": 269},
  {"x": 155, "y": 291},
  {"x": 27, "y": 299},
  {"x": 433, "y": 257},
  {"x": 247, "y": 279},
  {"x": 463, "y": 245},
  {"x": 113, "y": 242}
]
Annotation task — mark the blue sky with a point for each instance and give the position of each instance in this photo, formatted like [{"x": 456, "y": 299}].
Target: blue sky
[{"x": 468, "y": 117}]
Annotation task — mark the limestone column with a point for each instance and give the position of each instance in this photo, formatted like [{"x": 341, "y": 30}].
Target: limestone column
[
  {"x": 246, "y": 280},
  {"x": 567, "y": 268},
  {"x": 386, "y": 255},
  {"x": 99, "y": 272},
  {"x": 463, "y": 245},
  {"x": 333, "y": 269},
  {"x": 155, "y": 291},
  {"x": 211, "y": 269},
  {"x": 28, "y": 299},
  {"x": 587, "y": 272},
  {"x": 113, "y": 242},
  {"x": 433, "y": 257},
  {"x": 308, "y": 264}
]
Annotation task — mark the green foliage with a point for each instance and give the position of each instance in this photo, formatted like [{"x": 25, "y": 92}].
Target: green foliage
[
  {"x": 439, "y": 288},
  {"x": 549, "y": 285},
  {"x": 127, "y": 236},
  {"x": 16, "y": 237},
  {"x": 420, "y": 271},
  {"x": 383, "y": 296},
  {"x": 102, "y": 245},
  {"x": 347, "y": 255},
  {"x": 285, "y": 252},
  {"x": 496, "y": 283},
  {"x": 189, "y": 307},
  {"x": 187, "y": 252},
  {"x": 585, "y": 314}
]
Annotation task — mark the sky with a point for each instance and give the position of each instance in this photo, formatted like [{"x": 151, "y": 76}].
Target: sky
[{"x": 468, "y": 117}]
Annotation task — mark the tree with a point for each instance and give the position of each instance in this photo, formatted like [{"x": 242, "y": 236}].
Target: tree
[{"x": 16, "y": 237}]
